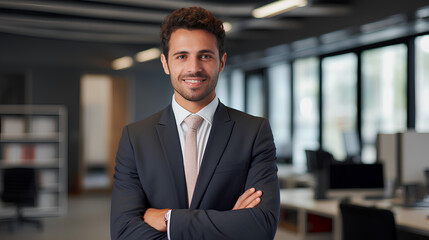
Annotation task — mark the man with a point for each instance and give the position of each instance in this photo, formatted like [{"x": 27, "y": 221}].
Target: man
[{"x": 166, "y": 185}]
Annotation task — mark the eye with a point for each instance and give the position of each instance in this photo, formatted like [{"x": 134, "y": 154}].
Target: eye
[
  {"x": 206, "y": 56},
  {"x": 181, "y": 57}
]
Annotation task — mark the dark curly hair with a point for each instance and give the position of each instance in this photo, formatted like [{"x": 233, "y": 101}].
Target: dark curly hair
[{"x": 192, "y": 18}]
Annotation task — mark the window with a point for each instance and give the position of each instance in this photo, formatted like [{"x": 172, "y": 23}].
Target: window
[
  {"x": 279, "y": 108},
  {"x": 422, "y": 83},
  {"x": 384, "y": 105},
  {"x": 306, "y": 108},
  {"x": 255, "y": 94},
  {"x": 339, "y": 100},
  {"x": 237, "y": 90}
]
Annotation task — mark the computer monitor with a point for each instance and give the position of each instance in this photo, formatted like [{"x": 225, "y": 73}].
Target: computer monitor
[
  {"x": 351, "y": 143},
  {"x": 355, "y": 180},
  {"x": 387, "y": 153},
  {"x": 352, "y": 146},
  {"x": 413, "y": 157}
]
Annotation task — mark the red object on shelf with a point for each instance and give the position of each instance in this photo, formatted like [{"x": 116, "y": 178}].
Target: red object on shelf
[
  {"x": 28, "y": 153},
  {"x": 317, "y": 224}
]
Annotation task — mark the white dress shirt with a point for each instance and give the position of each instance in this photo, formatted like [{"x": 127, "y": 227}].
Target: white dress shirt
[{"x": 203, "y": 132}]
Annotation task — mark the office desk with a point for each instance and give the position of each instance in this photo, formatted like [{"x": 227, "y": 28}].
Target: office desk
[{"x": 302, "y": 203}]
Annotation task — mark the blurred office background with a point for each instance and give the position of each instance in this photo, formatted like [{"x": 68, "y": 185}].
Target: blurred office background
[{"x": 329, "y": 75}]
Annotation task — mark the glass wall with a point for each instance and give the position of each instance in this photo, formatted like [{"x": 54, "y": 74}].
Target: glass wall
[
  {"x": 279, "y": 108},
  {"x": 255, "y": 95},
  {"x": 306, "y": 108},
  {"x": 339, "y": 83},
  {"x": 383, "y": 99},
  {"x": 384, "y": 104},
  {"x": 237, "y": 90},
  {"x": 422, "y": 83}
]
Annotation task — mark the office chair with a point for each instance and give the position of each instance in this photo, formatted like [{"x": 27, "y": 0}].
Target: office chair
[
  {"x": 317, "y": 160},
  {"x": 20, "y": 189},
  {"x": 368, "y": 223},
  {"x": 318, "y": 163}
]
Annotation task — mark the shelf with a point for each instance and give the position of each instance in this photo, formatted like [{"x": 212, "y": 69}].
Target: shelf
[
  {"x": 31, "y": 138},
  {"x": 47, "y": 110},
  {"x": 35, "y": 136},
  {"x": 53, "y": 164}
]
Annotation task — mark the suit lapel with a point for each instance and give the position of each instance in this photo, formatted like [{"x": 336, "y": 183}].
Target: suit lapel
[
  {"x": 170, "y": 142},
  {"x": 216, "y": 144}
]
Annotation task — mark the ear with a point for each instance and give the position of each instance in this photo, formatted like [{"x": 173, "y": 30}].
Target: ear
[
  {"x": 222, "y": 62},
  {"x": 165, "y": 64}
]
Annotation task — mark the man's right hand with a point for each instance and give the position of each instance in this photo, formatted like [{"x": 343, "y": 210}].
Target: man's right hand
[{"x": 248, "y": 199}]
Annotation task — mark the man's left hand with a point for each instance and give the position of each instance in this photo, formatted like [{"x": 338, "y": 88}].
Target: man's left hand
[
  {"x": 155, "y": 218},
  {"x": 249, "y": 199}
]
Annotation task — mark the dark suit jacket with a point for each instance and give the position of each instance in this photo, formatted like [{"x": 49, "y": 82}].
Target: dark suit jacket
[{"x": 149, "y": 173}]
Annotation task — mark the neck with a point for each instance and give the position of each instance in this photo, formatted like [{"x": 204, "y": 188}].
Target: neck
[{"x": 193, "y": 106}]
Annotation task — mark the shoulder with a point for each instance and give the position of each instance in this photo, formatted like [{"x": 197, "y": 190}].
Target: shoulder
[
  {"x": 244, "y": 123},
  {"x": 240, "y": 116},
  {"x": 249, "y": 126},
  {"x": 147, "y": 124}
]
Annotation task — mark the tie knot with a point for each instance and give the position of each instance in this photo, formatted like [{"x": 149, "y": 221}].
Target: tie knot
[{"x": 193, "y": 121}]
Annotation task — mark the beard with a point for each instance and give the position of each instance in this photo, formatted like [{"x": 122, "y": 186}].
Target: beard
[{"x": 195, "y": 95}]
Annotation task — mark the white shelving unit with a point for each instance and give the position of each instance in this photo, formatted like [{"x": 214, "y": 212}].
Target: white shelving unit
[{"x": 35, "y": 136}]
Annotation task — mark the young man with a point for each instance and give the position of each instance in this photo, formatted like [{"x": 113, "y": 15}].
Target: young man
[{"x": 174, "y": 180}]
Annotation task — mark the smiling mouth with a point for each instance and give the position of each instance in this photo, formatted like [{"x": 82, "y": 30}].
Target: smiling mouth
[{"x": 193, "y": 81}]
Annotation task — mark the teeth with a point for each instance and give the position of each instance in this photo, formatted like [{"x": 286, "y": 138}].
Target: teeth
[{"x": 193, "y": 81}]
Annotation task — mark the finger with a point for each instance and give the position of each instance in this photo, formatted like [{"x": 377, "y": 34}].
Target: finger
[
  {"x": 254, "y": 203},
  {"x": 251, "y": 198},
  {"x": 243, "y": 197}
]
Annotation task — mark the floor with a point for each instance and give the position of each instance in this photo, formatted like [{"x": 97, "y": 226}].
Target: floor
[{"x": 87, "y": 219}]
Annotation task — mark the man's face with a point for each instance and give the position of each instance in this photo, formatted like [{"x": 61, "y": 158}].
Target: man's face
[{"x": 193, "y": 65}]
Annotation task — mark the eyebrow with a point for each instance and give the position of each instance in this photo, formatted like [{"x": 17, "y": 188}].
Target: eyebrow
[
  {"x": 207, "y": 51},
  {"x": 201, "y": 51},
  {"x": 180, "y": 53}
]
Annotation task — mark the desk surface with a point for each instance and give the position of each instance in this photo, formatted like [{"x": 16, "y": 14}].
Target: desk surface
[{"x": 413, "y": 219}]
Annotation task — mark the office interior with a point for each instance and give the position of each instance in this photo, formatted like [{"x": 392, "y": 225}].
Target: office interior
[{"x": 347, "y": 77}]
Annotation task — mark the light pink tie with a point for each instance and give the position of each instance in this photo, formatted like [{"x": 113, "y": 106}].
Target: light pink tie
[{"x": 191, "y": 165}]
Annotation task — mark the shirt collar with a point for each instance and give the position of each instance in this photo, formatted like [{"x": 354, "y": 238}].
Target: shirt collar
[{"x": 207, "y": 113}]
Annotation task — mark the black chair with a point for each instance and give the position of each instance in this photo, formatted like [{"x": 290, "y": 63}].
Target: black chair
[
  {"x": 20, "y": 189},
  {"x": 317, "y": 160},
  {"x": 318, "y": 163},
  {"x": 367, "y": 223}
]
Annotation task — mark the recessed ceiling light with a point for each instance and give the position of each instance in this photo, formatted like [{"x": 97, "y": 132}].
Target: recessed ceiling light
[
  {"x": 122, "y": 63},
  {"x": 227, "y": 26},
  {"x": 277, "y": 7},
  {"x": 148, "y": 55}
]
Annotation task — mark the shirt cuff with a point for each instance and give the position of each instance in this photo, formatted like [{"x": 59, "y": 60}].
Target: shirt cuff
[{"x": 167, "y": 219}]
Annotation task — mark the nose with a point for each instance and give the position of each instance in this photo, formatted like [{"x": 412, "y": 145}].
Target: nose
[{"x": 194, "y": 65}]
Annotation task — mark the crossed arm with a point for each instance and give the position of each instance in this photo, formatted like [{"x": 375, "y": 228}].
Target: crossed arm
[
  {"x": 243, "y": 221},
  {"x": 252, "y": 217},
  {"x": 155, "y": 217}
]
